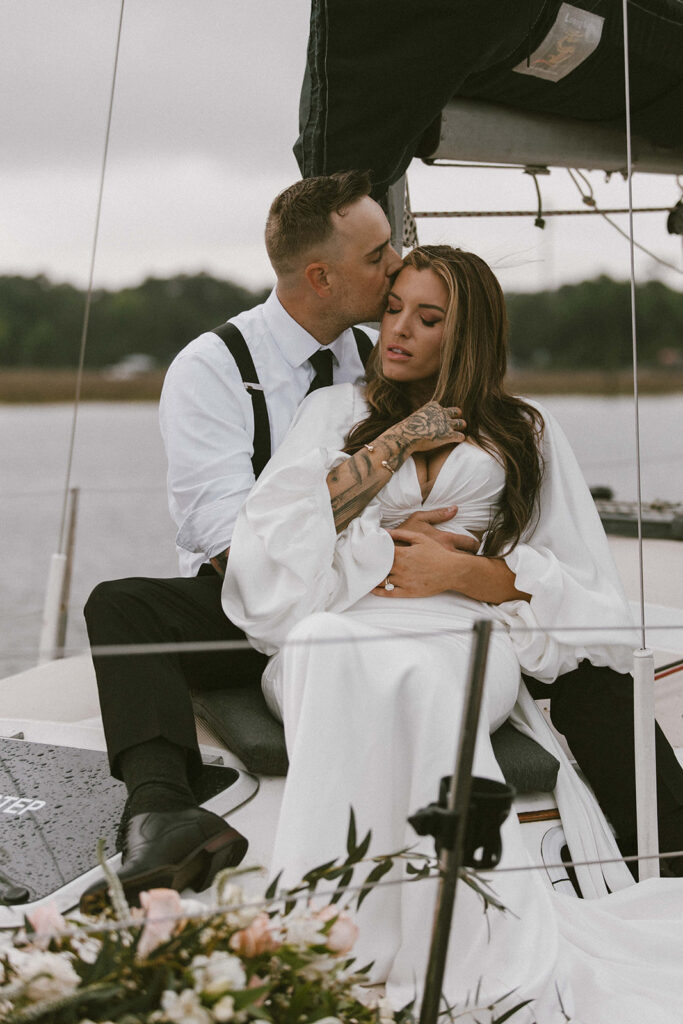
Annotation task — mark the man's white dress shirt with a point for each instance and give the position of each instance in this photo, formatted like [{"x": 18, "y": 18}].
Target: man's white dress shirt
[{"x": 207, "y": 419}]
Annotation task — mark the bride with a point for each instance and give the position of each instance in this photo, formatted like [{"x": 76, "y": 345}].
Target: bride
[{"x": 369, "y": 664}]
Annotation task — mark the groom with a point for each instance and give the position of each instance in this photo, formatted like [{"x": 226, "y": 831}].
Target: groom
[{"x": 228, "y": 399}]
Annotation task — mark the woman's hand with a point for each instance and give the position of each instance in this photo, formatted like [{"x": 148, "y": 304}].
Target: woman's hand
[
  {"x": 433, "y": 425},
  {"x": 425, "y": 522},
  {"x": 356, "y": 481}
]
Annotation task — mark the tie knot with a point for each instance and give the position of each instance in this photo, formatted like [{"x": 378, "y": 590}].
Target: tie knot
[{"x": 322, "y": 362}]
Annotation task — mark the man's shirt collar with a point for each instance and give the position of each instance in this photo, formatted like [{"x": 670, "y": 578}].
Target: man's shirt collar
[{"x": 294, "y": 342}]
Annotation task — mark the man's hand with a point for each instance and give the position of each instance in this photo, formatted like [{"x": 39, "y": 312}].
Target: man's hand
[
  {"x": 422, "y": 568},
  {"x": 220, "y": 562},
  {"x": 425, "y": 524}
]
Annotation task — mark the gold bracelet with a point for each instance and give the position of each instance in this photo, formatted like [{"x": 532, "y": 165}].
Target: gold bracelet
[{"x": 387, "y": 466}]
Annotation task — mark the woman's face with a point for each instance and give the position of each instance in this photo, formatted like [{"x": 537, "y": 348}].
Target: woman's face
[{"x": 412, "y": 326}]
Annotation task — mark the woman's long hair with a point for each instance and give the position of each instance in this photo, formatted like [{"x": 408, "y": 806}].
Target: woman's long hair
[{"x": 473, "y": 364}]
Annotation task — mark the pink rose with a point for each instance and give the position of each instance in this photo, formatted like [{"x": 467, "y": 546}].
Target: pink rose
[
  {"x": 256, "y": 938},
  {"x": 256, "y": 982},
  {"x": 344, "y": 931},
  {"x": 163, "y": 913},
  {"x": 46, "y": 922}
]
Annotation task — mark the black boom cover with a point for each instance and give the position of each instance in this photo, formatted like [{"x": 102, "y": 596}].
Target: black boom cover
[{"x": 379, "y": 73}]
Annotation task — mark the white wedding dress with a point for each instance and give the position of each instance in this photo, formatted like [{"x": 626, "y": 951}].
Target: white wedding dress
[{"x": 371, "y": 693}]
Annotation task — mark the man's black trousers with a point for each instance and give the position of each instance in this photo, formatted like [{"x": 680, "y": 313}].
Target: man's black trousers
[{"x": 143, "y": 696}]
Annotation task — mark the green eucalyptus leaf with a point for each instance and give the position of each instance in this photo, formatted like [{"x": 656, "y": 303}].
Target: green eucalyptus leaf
[
  {"x": 375, "y": 875},
  {"x": 351, "y": 835},
  {"x": 510, "y": 1013}
]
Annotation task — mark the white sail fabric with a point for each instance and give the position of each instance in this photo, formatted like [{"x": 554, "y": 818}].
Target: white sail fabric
[{"x": 565, "y": 564}]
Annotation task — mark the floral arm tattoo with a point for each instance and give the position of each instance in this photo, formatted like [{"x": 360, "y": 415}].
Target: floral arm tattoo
[{"x": 356, "y": 481}]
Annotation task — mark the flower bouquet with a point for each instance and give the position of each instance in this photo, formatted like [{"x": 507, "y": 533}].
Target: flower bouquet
[{"x": 284, "y": 959}]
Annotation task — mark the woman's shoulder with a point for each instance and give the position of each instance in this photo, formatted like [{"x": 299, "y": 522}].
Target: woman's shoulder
[
  {"x": 339, "y": 399},
  {"x": 328, "y": 413}
]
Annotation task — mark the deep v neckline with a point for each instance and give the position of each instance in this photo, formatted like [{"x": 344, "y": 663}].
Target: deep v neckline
[{"x": 435, "y": 481}]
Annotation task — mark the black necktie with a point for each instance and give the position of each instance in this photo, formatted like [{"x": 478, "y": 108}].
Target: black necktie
[{"x": 321, "y": 361}]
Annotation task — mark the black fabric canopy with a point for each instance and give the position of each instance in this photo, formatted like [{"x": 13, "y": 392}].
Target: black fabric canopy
[{"x": 379, "y": 72}]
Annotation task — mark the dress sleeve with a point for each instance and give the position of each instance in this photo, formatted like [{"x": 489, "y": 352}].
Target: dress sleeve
[
  {"x": 286, "y": 559},
  {"x": 577, "y": 600}
]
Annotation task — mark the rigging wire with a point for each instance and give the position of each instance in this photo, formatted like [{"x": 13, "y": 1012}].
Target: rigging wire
[
  {"x": 264, "y": 902},
  {"x": 589, "y": 199},
  {"x": 532, "y": 213},
  {"x": 203, "y": 646},
  {"x": 88, "y": 298}
]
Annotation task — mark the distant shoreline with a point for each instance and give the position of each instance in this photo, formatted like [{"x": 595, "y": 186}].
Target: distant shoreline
[{"x": 28, "y": 386}]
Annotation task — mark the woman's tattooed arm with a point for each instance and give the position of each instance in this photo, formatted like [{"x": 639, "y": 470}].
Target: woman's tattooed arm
[{"x": 356, "y": 481}]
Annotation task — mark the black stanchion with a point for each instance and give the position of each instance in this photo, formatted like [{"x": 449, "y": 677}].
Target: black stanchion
[{"x": 454, "y": 825}]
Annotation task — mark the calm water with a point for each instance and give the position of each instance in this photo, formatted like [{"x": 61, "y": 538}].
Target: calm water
[{"x": 124, "y": 528}]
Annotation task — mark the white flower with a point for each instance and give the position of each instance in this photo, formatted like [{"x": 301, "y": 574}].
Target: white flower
[
  {"x": 184, "y": 1008},
  {"x": 46, "y": 975},
  {"x": 194, "y": 908},
  {"x": 385, "y": 1011},
  {"x": 302, "y": 930},
  {"x": 86, "y": 948},
  {"x": 319, "y": 970},
  {"x": 224, "y": 1009},
  {"x": 218, "y": 974},
  {"x": 231, "y": 894}
]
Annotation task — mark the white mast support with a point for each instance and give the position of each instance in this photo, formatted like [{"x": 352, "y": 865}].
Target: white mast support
[
  {"x": 47, "y": 649},
  {"x": 56, "y": 607},
  {"x": 646, "y": 771}
]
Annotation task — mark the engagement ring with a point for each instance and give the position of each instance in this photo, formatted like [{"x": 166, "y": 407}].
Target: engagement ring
[{"x": 388, "y": 585}]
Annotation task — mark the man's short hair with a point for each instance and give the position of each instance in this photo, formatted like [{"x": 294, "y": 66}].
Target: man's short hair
[{"x": 301, "y": 216}]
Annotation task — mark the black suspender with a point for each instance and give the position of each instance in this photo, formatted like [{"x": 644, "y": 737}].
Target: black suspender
[
  {"x": 237, "y": 346},
  {"x": 363, "y": 344}
]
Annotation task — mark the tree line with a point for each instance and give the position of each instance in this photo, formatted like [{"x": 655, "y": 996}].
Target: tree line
[{"x": 586, "y": 325}]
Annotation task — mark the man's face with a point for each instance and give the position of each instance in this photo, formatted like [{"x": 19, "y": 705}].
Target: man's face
[{"x": 363, "y": 262}]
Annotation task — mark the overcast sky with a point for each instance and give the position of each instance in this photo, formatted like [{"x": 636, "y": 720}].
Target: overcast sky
[{"x": 205, "y": 116}]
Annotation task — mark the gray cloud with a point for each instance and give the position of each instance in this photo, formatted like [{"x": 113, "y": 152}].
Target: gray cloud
[
  {"x": 204, "y": 77},
  {"x": 205, "y": 117}
]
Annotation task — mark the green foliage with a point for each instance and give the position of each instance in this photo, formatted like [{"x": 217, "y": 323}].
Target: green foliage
[
  {"x": 41, "y": 322},
  {"x": 578, "y": 326},
  {"x": 588, "y": 325}
]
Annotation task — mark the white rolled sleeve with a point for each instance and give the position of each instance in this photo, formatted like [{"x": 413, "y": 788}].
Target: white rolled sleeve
[{"x": 207, "y": 425}]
